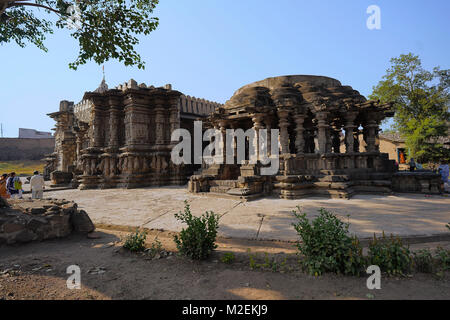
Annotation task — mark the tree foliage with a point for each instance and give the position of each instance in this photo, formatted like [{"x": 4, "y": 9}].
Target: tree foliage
[
  {"x": 105, "y": 29},
  {"x": 421, "y": 105}
]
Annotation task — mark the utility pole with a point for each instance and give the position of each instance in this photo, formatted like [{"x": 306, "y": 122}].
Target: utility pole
[{"x": 1, "y": 130}]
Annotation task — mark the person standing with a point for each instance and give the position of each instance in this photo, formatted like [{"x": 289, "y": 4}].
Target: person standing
[
  {"x": 412, "y": 165},
  {"x": 11, "y": 185},
  {"x": 444, "y": 172},
  {"x": 37, "y": 186},
  {"x": 3, "y": 190}
]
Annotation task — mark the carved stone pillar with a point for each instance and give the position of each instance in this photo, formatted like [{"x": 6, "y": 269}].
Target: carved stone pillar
[
  {"x": 223, "y": 142},
  {"x": 356, "y": 143},
  {"x": 97, "y": 130},
  {"x": 129, "y": 126},
  {"x": 159, "y": 126},
  {"x": 257, "y": 125},
  {"x": 349, "y": 129},
  {"x": 371, "y": 136},
  {"x": 268, "y": 124},
  {"x": 114, "y": 128},
  {"x": 323, "y": 127},
  {"x": 79, "y": 144},
  {"x": 174, "y": 120},
  {"x": 284, "y": 134},
  {"x": 300, "y": 138}
]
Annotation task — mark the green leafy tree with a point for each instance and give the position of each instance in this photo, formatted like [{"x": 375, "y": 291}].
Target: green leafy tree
[
  {"x": 105, "y": 29},
  {"x": 421, "y": 100}
]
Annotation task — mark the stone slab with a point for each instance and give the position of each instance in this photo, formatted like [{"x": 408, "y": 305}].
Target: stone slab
[{"x": 154, "y": 208}]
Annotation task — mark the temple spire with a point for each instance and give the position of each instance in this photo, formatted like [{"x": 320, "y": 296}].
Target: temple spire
[{"x": 103, "y": 87}]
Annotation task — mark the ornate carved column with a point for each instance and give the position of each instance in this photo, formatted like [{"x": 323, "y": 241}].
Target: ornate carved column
[
  {"x": 268, "y": 123},
  {"x": 174, "y": 116},
  {"x": 356, "y": 143},
  {"x": 114, "y": 127},
  {"x": 257, "y": 125},
  {"x": 234, "y": 126},
  {"x": 159, "y": 126},
  {"x": 300, "y": 138},
  {"x": 349, "y": 129},
  {"x": 128, "y": 126},
  {"x": 97, "y": 129},
  {"x": 174, "y": 120},
  {"x": 79, "y": 142},
  {"x": 284, "y": 134},
  {"x": 372, "y": 132},
  {"x": 223, "y": 142},
  {"x": 323, "y": 127}
]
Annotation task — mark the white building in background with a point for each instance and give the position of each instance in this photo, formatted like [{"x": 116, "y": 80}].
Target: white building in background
[{"x": 34, "y": 134}]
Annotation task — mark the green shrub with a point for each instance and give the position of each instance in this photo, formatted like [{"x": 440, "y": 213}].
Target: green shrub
[
  {"x": 135, "y": 242},
  {"x": 423, "y": 261},
  {"x": 390, "y": 255},
  {"x": 443, "y": 258},
  {"x": 326, "y": 245},
  {"x": 228, "y": 258},
  {"x": 198, "y": 240}
]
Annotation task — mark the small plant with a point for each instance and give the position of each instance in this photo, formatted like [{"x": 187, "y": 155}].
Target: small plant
[
  {"x": 448, "y": 226},
  {"x": 443, "y": 258},
  {"x": 135, "y": 242},
  {"x": 253, "y": 264},
  {"x": 268, "y": 264},
  {"x": 155, "y": 248},
  {"x": 228, "y": 258},
  {"x": 423, "y": 261},
  {"x": 326, "y": 245},
  {"x": 390, "y": 255},
  {"x": 199, "y": 239}
]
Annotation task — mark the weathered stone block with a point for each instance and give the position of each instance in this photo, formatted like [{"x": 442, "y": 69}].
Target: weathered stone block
[
  {"x": 81, "y": 222},
  {"x": 3, "y": 203},
  {"x": 12, "y": 227},
  {"x": 25, "y": 236},
  {"x": 37, "y": 211}
]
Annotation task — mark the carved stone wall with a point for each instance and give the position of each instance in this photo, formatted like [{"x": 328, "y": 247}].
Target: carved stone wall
[{"x": 122, "y": 137}]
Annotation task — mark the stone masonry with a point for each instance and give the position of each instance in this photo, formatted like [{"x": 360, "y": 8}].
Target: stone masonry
[
  {"x": 121, "y": 138},
  {"x": 38, "y": 220}
]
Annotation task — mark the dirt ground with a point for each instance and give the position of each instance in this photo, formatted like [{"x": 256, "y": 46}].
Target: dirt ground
[{"x": 38, "y": 271}]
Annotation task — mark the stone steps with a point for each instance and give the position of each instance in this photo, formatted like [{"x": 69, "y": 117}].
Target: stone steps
[
  {"x": 220, "y": 189},
  {"x": 223, "y": 186},
  {"x": 376, "y": 183},
  {"x": 372, "y": 189},
  {"x": 224, "y": 183}
]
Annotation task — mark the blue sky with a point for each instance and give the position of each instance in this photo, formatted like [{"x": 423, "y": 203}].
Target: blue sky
[{"x": 210, "y": 48}]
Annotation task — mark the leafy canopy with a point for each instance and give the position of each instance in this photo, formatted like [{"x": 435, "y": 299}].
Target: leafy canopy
[
  {"x": 421, "y": 104},
  {"x": 105, "y": 29}
]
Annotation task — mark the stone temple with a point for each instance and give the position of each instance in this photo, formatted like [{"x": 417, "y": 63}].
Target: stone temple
[
  {"x": 121, "y": 138},
  {"x": 314, "y": 114},
  {"x": 328, "y": 141}
]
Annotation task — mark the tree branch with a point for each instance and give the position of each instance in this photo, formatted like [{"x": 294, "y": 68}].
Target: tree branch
[
  {"x": 3, "y": 8},
  {"x": 16, "y": 4}
]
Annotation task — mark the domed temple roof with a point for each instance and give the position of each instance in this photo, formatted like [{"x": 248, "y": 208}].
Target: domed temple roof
[
  {"x": 282, "y": 81},
  {"x": 316, "y": 91}
]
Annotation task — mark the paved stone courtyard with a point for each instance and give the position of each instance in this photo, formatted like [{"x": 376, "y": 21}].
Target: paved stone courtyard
[{"x": 268, "y": 219}]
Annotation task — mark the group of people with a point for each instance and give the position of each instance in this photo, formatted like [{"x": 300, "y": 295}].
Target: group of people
[{"x": 11, "y": 186}]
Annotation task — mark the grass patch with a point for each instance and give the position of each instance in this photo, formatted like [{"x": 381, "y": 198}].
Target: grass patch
[{"x": 22, "y": 167}]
